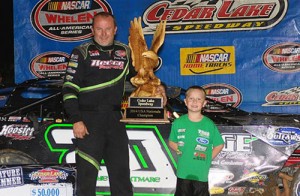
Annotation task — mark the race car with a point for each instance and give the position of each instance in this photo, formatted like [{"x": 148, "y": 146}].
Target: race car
[{"x": 35, "y": 133}]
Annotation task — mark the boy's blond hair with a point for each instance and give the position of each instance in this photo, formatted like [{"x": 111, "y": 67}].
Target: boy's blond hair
[{"x": 195, "y": 87}]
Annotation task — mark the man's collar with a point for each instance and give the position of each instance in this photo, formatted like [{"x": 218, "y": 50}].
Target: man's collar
[{"x": 104, "y": 48}]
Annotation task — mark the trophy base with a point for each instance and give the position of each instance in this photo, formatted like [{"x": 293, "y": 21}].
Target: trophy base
[{"x": 145, "y": 116}]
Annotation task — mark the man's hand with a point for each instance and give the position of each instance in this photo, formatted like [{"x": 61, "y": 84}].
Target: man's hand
[{"x": 79, "y": 130}]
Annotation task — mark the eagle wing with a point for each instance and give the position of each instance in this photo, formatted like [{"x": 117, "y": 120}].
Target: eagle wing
[
  {"x": 137, "y": 43},
  {"x": 159, "y": 36}
]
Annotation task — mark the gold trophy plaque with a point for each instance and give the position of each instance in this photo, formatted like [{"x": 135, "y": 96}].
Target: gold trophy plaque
[{"x": 146, "y": 103}]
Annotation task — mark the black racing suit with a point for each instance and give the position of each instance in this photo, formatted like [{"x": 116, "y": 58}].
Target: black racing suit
[{"x": 92, "y": 92}]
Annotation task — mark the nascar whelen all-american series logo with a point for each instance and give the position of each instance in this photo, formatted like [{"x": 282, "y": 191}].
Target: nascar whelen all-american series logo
[
  {"x": 66, "y": 20},
  {"x": 214, "y": 15},
  {"x": 223, "y": 93},
  {"x": 49, "y": 64},
  {"x": 283, "y": 57}
]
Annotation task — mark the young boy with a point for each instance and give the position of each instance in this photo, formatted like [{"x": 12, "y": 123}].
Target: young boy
[{"x": 196, "y": 140}]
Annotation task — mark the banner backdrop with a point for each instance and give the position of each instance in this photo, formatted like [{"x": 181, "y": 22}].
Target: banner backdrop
[{"x": 245, "y": 53}]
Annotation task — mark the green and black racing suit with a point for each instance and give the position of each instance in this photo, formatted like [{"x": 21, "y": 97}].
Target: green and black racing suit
[{"x": 92, "y": 92}]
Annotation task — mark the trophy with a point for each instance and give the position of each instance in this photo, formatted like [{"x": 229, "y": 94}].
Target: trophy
[{"x": 147, "y": 102}]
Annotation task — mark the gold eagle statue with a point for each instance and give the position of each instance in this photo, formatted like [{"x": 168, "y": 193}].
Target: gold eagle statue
[{"x": 145, "y": 60}]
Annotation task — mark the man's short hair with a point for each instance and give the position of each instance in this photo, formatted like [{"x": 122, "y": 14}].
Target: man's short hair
[{"x": 105, "y": 14}]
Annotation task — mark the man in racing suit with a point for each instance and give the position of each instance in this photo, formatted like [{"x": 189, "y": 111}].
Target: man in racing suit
[{"x": 92, "y": 94}]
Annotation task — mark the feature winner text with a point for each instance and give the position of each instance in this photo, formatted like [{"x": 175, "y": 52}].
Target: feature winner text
[{"x": 10, "y": 177}]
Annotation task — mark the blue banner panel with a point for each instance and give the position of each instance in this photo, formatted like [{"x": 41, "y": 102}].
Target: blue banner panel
[{"x": 250, "y": 46}]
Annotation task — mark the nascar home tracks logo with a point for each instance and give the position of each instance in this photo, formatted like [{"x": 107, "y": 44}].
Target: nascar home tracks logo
[
  {"x": 207, "y": 60},
  {"x": 49, "y": 64},
  {"x": 223, "y": 93},
  {"x": 283, "y": 98},
  {"x": 283, "y": 57},
  {"x": 66, "y": 20},
  {"x": 188, "y": 16}
]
